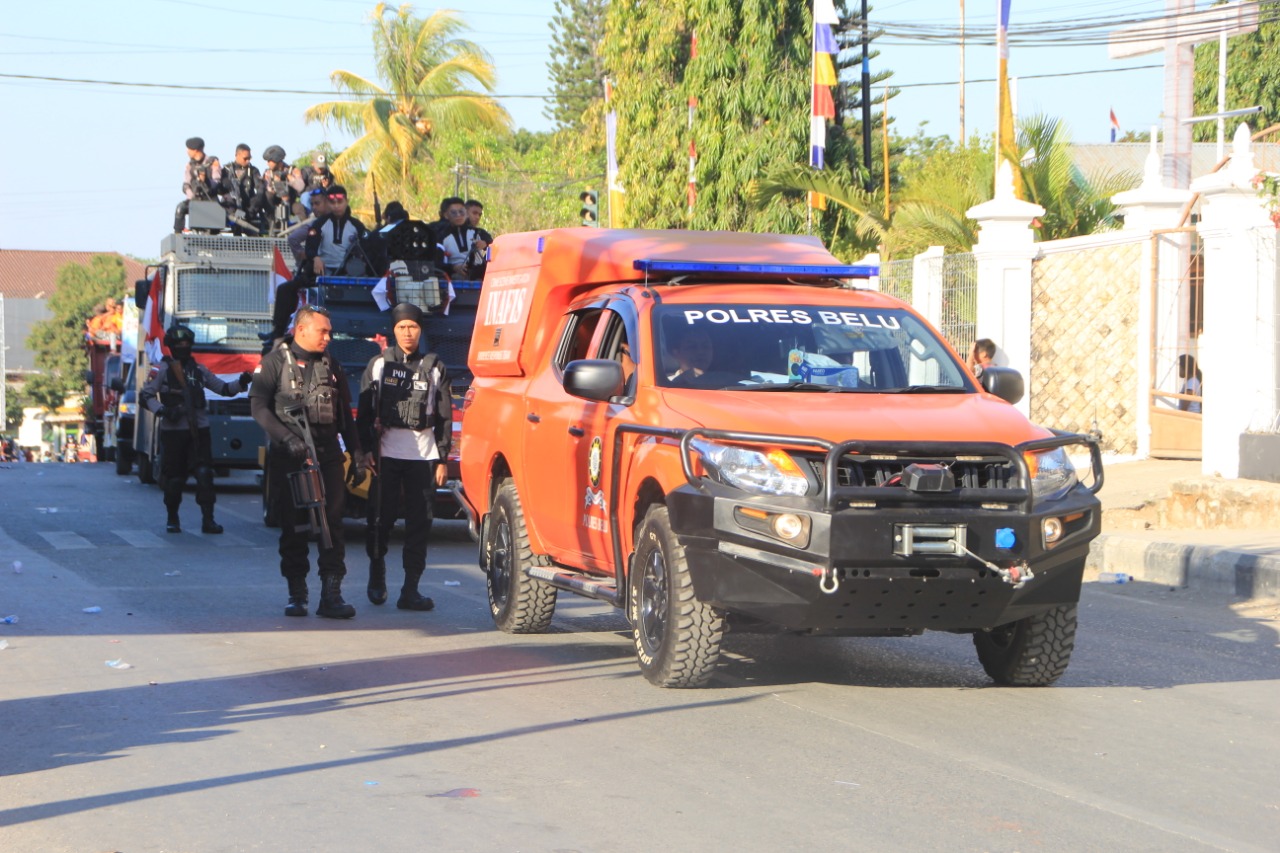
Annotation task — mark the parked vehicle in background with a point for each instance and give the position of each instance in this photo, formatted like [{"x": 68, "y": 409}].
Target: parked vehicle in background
[{"x": 221, "y": 286}]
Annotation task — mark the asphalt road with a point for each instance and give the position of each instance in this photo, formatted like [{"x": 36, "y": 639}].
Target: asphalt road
[{"x": 234, "y": 728}]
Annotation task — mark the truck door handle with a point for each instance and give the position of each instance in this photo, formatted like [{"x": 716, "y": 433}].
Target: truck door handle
[
  {"x": 533, "y": 418},
  {"x": 577, "y": 431}
]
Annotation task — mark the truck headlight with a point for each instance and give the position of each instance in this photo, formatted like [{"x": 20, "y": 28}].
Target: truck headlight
[
  {"x": 769, "y": 472},
  {"x": 1052, "y": 473}
]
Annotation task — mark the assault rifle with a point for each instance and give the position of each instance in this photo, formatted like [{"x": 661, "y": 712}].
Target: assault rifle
[{"x": 307, "y": 485}]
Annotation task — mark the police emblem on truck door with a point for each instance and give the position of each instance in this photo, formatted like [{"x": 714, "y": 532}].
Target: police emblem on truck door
[{"x": 594, "y": 457}]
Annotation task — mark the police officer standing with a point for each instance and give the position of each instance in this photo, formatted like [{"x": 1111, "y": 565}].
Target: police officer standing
[
  {"x": 174, "y": 391},
  {"x": 406, "y": 421},
  {"x": 298, "y": 376}
]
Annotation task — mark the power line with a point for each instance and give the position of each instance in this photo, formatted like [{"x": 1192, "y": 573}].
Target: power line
[{"x": 263, "y": 90}]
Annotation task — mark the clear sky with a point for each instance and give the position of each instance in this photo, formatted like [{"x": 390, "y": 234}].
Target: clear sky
[{"x": 87, "y": 166}]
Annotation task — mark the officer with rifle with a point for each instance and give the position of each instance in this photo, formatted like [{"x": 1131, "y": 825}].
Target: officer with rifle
[
  {"x": 405, "y": 420},
  {"x": 174, "y": 391},
  {"x": 301, "y": 399},
  {"x": 201, "y": 181}
]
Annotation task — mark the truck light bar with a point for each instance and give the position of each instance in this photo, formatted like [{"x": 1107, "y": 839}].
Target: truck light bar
[{"x": 650, "y": 265}]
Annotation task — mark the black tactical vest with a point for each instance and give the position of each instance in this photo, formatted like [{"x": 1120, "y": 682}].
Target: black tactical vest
[
  {"x": 316, "y": 392},
  {"x": 171, "y": 392},
  {"x": 407, "y": 393}
]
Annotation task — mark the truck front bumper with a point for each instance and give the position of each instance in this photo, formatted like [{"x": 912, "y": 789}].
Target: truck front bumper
[{"x": 877, "y": 570}]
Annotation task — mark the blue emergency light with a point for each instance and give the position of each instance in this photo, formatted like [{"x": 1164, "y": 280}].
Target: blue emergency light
[{"x": 650, "y": 265}]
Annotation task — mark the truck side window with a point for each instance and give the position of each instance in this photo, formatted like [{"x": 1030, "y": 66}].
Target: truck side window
[
  {"x": 578, "y": 332},
  {"x": 616, "y": 346}
]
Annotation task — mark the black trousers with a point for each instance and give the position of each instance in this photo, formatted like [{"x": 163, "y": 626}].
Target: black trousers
[
  {"x": 405, "y": 487},
  {"x": 295, "y": 531},
  {"x": 182, "y": 456}
]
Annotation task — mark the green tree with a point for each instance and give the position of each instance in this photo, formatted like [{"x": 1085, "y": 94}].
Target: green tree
[
  {"x": 1252, "y": 80},
  {"x": 427, "y": 74},
  {"x": 576, "y": 67},
  {"x": 58, "y": 343},
  {"x": 752, "y": 81}
]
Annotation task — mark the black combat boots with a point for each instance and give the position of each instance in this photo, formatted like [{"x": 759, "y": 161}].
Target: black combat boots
[
  {"x": 410, "y": 598},
  {"x": 173, "y": 525},
  {"x": 297, "y": 605},
  {"x": 209, "y": 525},
  {"x": 378, "y": 580},
  {"x": 331, "y": 604}
]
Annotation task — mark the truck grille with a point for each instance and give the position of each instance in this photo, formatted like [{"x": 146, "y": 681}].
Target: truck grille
[{"x": 857, "y": 471}]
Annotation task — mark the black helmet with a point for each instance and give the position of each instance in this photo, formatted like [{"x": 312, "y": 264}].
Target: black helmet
[
  {"x": 274, "y": 153},
  {"x": 179, "y": 336}
]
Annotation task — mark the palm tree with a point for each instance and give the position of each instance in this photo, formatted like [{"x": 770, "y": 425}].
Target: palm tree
[{"x": 428, "y": 79}]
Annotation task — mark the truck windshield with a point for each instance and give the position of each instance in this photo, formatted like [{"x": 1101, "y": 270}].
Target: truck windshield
[
  {"x": 798, "y": 347},
  {"x": 233, "y": 333}
]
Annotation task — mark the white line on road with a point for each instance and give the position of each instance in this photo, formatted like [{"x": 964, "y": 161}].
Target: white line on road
[{"x": 65, "y": 541}]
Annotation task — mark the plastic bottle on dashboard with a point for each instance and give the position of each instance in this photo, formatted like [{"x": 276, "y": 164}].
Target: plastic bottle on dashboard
[{"x": 1114, "y": 577}]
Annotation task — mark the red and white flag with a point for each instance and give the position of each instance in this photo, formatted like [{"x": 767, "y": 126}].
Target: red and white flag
[
  {"x": 154, "y": 344},
  {"x": 279, "y": 274}
]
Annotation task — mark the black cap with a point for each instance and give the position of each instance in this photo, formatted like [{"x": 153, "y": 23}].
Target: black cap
[
  {"x": 406, "y": 311},
  {"x": 195, "y": 143}
]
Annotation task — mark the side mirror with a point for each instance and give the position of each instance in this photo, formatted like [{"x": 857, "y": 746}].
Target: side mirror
[
  {"x": 594, "y": 379},
  {"x": 87, "y": 376},
  {"x": 141, "y": 290},
  {"x": 117, "y": 385},
  {"x": 1004, "y": 382}
]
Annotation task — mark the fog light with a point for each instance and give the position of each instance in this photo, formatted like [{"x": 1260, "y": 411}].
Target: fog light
[
  {"x": 788, "y": 526},
  {"x": 1052, "y": 530}
]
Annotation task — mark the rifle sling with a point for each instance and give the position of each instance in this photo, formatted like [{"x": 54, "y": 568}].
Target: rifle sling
[{"x": 181, "y": 377}]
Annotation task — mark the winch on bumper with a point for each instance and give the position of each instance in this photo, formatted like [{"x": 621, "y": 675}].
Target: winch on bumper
[{"x": 933, "y": 547}]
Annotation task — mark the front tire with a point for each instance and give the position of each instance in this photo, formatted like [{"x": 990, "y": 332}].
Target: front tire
[
  {"x": 1032, "y": 652},
  {"x": 518, "y": 603},
  {"x": 677, "y": 637}
]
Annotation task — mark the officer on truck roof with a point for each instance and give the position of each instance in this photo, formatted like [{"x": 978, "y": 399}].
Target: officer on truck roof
[
  {"x": 405, "y": 421},
  {"x": 201, "y": 180},
  {"x": 174, "y": 392}
]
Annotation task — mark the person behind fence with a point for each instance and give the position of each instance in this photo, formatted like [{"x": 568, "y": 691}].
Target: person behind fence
[
  {"x": 300, "y": 397},
  {"x": 405, "y": 420},
  {"x": 1192, "y": 383},
  {"x": 174, "y": 392},
  {"x": 200, "y": 181},
  {"x": 981, "y": 356}
]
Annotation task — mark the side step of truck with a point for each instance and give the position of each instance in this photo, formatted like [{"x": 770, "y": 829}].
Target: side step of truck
[{"x": 579, "y": 583}]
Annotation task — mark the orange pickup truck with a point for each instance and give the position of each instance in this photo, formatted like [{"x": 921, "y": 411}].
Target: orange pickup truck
[{"x": 716, "y": 431}]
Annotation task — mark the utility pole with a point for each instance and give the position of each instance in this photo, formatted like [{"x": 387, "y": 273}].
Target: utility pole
[
  {"x": 866, "y": 98},
  {"x": 962, "y": 137}
]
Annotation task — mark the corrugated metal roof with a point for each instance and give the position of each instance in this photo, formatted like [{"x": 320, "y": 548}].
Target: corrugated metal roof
[
  {"x": 1131, "y": 156},
  {"x": 30, "y": 274}
]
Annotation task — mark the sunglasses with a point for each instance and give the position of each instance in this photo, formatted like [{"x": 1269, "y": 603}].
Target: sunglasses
[{"x": 338, "y": 197}]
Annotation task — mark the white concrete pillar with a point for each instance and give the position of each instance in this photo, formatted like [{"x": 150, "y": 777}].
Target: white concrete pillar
[
  {"x": 1003, "y": 255},
  {"x": 1238, "y": 348},
  {"x": 1148, "y": 208},
  {"x": 926, "y": 284}
]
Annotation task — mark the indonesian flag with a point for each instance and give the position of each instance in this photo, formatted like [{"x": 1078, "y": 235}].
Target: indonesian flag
[
  {"x": 154, "y": 344},
  {"x": 1115, "y": 125},
  {"x": 279, "y": 274},
  {"x": 227, "y": 366}
]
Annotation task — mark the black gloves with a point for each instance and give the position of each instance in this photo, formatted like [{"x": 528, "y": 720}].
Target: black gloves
[
  {"x": 356, "y": 470},
  {"x": 245, "y": 379},
  {"x": 295, "y": 446},
  {"x": 172, "y": 414}
]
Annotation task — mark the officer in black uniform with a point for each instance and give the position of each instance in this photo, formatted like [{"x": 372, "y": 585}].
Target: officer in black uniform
[
  {"x": 406, "y": 423},
  {"x": 298, "y": 374},
  {"x": 174, "y": 391}
]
